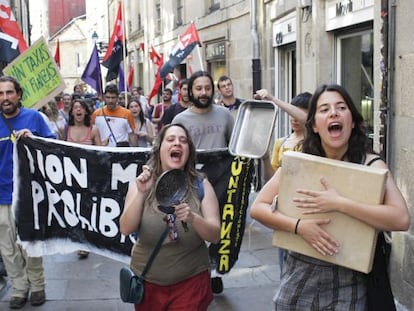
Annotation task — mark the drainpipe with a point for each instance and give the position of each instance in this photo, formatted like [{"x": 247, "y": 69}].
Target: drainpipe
[
  {"x": 256, "y": 67},
  {"x": 384, "y": 103},
  {"x": 257, "y": 77},
  {"x": 391, "y": 76}
]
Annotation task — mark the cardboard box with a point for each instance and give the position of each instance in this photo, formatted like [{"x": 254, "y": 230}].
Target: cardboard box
[{"x": 358, "y": 182}]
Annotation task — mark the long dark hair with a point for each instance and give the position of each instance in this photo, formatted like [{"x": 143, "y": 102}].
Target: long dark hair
[
  {"x": 87, "y": 120},
  {"x": 358, "y": 144},
  {"x": 195, "y": 76},
  {"x": 141, "y": 116}
]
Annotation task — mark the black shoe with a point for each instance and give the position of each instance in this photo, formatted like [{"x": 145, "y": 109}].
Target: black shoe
[
  {"x": 37, "y": 298},
  {"x": 17, "y": 302},
  {"x": 217, "y": 285},
  {"x": 83, "y": 254}
]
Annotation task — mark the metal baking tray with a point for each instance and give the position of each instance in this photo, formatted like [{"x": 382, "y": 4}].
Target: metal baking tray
[{"x": 253, "y": 128}]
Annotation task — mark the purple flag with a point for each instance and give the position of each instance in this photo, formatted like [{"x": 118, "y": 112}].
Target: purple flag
[{"x": 92, "y": 74}]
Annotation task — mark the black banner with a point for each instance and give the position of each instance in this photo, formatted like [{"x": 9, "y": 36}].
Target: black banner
[{"x": 69, "y": 197}]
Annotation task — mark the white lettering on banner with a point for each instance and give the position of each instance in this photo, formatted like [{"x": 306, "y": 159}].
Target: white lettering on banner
[
  {"x": 53, "y": 198},
  {"x": 123, "y": 175},
  {"x": 52, "y": 168},
  {"x": 81, "y": 175},
  {"x": 109, "y": 211},
  {"x": 38, "y": 196},
  {"x": 103, "y": 213}
]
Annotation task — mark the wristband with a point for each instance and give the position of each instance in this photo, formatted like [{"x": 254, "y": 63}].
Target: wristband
[{"x": 296, "y": 227}]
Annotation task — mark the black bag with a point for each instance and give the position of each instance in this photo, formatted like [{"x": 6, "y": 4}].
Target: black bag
[
  {"x": 122, "y": 144},
  {"x": 379, "y": 292},
  {"x": 131, "y": 286}
]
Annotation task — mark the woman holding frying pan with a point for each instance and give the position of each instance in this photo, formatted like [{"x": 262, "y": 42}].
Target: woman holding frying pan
[{"x": 179, "y": 278}]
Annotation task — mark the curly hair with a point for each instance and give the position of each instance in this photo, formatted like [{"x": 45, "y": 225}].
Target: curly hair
[{"x": 358, "y": 144}]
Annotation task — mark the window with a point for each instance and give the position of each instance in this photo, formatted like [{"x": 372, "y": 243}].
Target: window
[
  {"x": 179, "y": 17},
  {"x": 158, "y": 17},
  {"x": 214, "y": 5},
  {"x": 139, "y": 21},
  {"x": 355, "y": 71},
  {"x": 285, "y": 59}
]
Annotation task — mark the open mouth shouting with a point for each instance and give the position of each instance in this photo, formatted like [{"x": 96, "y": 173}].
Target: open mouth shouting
[
  {"x": 335, "y": 129},
  {"x": 176, "y": 156}
]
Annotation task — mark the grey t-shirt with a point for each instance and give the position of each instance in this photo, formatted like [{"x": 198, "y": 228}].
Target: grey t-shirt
[{"x": 209, "y": 130}]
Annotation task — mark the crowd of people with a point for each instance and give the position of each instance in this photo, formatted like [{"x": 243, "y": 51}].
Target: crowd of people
[{"x": 326, "y": 124}]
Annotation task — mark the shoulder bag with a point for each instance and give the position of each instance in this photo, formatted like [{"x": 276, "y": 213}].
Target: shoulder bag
[
  {"x": 379, "y": 292},
  {"x": 131, "y": 285}
]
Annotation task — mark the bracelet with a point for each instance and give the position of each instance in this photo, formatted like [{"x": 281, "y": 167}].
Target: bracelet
[{"x": 296, "y": 227}]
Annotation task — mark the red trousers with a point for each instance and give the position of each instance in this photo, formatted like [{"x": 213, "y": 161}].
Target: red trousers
[{"x": 191, "y": 294}]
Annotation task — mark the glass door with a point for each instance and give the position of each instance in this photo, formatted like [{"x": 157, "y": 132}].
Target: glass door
[
  {"x": 355, "y": 71},
  {"x": 286, "y": 84}
]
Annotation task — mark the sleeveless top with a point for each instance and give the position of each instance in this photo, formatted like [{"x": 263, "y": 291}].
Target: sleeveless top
[
  {"x": 87, "y": 140},
  {"x": 177, "y": 260}
]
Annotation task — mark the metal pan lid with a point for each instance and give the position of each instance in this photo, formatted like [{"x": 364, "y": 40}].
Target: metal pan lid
[{"x": 253, "y": 128}]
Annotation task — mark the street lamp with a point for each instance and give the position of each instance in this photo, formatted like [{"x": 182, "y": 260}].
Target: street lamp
[{"x": 95, "y": 36}]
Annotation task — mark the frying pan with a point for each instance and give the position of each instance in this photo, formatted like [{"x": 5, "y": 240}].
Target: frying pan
[{"x": 171, "y": 189}]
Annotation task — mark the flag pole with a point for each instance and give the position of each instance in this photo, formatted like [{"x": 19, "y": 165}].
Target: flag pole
[
  {"x": 124, "y": 49},
  {"x": 199, "y": 53},
  {"x": 199, "y": 57}
]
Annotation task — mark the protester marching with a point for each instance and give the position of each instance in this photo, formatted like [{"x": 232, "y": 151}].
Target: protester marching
[{"x": 101, "y": 103}]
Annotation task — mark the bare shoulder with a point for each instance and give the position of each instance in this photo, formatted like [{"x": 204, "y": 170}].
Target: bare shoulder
[{"x": 375, "y": 160}]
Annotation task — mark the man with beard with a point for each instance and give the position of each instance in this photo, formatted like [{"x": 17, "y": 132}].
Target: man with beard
[
  {"x": 210, "y": 127},
  {"x": 25, "y": 273},
  {"x": 183, "y": 104}
]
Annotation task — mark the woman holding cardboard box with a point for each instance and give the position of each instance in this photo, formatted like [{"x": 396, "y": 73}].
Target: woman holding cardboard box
[{"x": 335, "y": 130}]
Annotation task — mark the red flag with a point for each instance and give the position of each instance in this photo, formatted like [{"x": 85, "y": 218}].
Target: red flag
[
  {"x": 12, "y": 42},
  {"x": 155, "y": 56},
  {"x": 130, "y": 76},
  {"x": 186, "y": 43},
  {"x": 57, "y": 53},
  {"x": 157, "y": 83},
  {"x": 115, "y": 52}
]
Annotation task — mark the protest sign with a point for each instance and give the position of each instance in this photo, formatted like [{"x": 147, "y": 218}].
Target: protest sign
[{"x": 38, "y": 74}]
